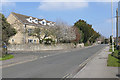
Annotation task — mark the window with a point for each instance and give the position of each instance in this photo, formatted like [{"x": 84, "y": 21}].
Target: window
[
  {"x": 34, "y": 41},
  {"x": 30, "y": 41},
  {"x": 36, "y": 20},
  {"x": 43, "y": 22},
  {"x": 48, "y": 23},
  {"x": 12, "y": 40},
  {"x": 30, "y": 31},
  {"x": 29, "y": 19}
]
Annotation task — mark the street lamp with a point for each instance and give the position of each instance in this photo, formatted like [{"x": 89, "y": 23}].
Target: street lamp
[
  {"x": 25, "y": 33},
  {"x": 112, "y": 25}
]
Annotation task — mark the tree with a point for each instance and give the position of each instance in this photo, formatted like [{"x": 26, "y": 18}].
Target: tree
[
  {"x": 7, "y": 30},
  {"x": 89, "y": 34},
  {"x": 37, "y": 33},
  {"x": 64, "y": 33},
  {"x": 79, "y": 35},
  {"x": 46, "y": 31}
]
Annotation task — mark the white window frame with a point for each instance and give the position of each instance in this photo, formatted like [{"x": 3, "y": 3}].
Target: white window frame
[
  {"x": 35, "y": 21},
  {"x": 30, "y": 41},
  {"x": 29, "y": 19}
]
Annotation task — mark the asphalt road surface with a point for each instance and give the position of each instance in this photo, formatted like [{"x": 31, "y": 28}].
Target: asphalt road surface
[{"x": 55, "y": 66}]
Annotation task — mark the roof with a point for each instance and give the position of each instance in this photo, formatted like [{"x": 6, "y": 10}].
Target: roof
[{"x": 23, "y": 18}]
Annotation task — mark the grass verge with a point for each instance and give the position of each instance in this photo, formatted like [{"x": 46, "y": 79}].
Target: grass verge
[
  {"x": 112, "y": 61},
  {"x": 7, "y": 56},
  {"x": 110, "y": 50}
]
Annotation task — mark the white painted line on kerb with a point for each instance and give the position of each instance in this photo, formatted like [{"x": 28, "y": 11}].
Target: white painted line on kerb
[{"x": 66, "y": 75}]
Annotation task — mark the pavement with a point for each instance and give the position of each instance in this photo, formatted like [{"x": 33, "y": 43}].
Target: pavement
[{"x": 97, "y": 67}]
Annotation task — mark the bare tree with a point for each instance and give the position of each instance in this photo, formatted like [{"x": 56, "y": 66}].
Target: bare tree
[
  {"x": 61, "y": 31},
  {"x": 64, "y": 33}
]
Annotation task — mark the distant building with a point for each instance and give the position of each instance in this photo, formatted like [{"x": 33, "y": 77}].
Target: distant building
[{"x": 24, "y": 26}]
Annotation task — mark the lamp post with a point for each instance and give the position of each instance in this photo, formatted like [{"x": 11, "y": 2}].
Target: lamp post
[
  {"x": 25, "y": 33},
  {"x": 112, "y": 25},
  {"x": 117, "y": 27}
]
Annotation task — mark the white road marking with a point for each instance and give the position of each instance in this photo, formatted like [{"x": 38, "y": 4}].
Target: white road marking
[
  {"x": 4, "y": 66},
  {"x": 41, "y": 57},
  {"x": 44, "y": 56}
]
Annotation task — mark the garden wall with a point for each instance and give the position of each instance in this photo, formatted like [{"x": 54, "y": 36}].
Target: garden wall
[{"x": 38, "y": 47}]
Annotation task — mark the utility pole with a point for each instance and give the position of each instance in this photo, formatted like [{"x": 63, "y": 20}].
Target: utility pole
[
  {"x": 112, "y": 25},
  {"x": 117, "y": 27}
]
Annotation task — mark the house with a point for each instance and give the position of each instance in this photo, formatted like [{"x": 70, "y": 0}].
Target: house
[{"x": 24, "y": 26}]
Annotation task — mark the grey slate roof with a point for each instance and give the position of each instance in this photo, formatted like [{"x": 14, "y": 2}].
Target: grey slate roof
[{"x": 23, "y": 18}]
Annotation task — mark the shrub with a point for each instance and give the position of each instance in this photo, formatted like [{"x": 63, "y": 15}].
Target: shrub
[{"x": 48, "y": 41}]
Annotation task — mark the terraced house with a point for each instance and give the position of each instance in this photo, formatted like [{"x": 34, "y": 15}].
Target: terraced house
[{"x": 24, "y": 26}]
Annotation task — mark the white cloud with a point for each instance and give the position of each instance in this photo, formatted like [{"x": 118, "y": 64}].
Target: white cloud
[
  {"x": 79, "y": 0},
  {"x": 7, "y": 3},
  {"x": 67, "y": 4},
  {"x": 62, "y": 5},
  {"x": 60, "y": 0}
]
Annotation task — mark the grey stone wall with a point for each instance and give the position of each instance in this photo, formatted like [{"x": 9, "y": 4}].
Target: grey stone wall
[{"x": 38, "y": 47}]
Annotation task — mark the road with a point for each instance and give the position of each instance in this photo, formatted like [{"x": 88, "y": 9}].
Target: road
[{"x": 55, "y": 66}]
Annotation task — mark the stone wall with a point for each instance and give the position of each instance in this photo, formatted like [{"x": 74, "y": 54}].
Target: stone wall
[{"x": 38, "y": 47}]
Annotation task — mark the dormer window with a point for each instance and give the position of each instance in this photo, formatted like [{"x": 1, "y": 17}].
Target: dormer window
[
  {"x": 48, "y": 24},
  {"x": 43, "y": 23},
  {"x": 36, "y": 21},
  {"x": 29, "y": 19},
  {"x": 52, "y": 24}
]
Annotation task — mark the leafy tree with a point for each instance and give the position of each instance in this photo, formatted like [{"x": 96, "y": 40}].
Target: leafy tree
[
  {"x": 47, "y": 31},
  {"x": 89, "y": 33},
  {"x": 79, "y": 35},
  {"x": 7, "y": 30}
]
